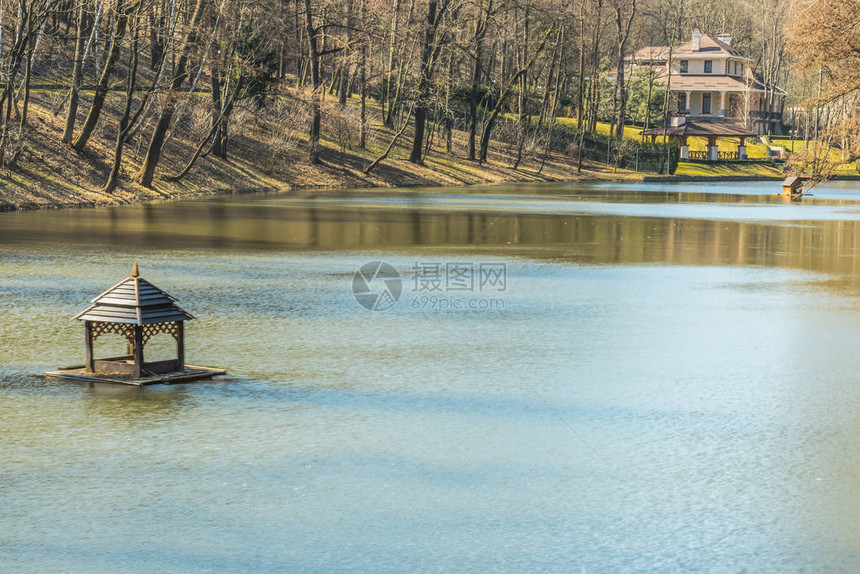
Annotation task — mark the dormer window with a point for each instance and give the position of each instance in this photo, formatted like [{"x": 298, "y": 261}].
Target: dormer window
[
  {"x": 709, "y": 66},
  {"x": 684, "y": 66}
]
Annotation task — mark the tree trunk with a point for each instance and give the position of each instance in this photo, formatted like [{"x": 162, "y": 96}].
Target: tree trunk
[
  {"x": 362, "y": 127},
  {"x": 477, "y": 71},
  {"x": 218, "y": 148},
  {"x": 80, "y": 41},
  {"x": 425, "y": 78},
  {"x": 156, "y": 41},
  {"x": 522, "y": 100},
  {"x": 544, "y": 104},
  {"x": 594, "y": 84},
  {"x": 485, "y": 137},
  {"x": 343, "y": 90},
  {"x": 153, "y": 152},
  {"x": 124, "y": 122},
  {"x": 217, "y": 128},
  {"x": 580, "y": 108},
  {"x": 391, "y": 144},
  {"x": 388, "y": 118},
  {"x": 121, "y": 18},
  {"x": 316, "y": 108}
]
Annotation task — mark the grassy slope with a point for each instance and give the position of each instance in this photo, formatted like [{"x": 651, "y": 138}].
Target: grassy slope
[
  {"x": 50, "y": 174},
  {"x": 689, "y": 169}
]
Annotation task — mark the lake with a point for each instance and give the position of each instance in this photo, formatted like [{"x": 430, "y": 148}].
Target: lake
[{"x": 554, "y": 378}]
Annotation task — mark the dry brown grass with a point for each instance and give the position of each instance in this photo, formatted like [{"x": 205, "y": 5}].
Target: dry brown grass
[{"x": 261, "y": 158}]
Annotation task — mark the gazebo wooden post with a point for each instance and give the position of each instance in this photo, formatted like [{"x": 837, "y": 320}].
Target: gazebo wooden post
[
  {"x": 713, "y": 149},
  {"x": 129, "y": 342},
  {"x": 138, "y": 350},
  {"x": 180, "y": 345},
  {"x": 90, "y": 366}
]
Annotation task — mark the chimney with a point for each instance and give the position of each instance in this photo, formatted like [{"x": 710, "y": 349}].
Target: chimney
[
  {"x": 725, "y": 38},
  {"x": 697, "y": 40}
]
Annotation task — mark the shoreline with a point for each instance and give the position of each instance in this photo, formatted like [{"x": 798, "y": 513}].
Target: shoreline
[
  {"x": 52, "y": 175},
  {"x": 730, "y": 178},
  {"x": 589, "y": 177},
  {"x": 528, "y": 178}
]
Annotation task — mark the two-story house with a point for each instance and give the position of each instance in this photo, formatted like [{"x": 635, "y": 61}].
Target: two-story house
[{"x": 708, "y": 79}]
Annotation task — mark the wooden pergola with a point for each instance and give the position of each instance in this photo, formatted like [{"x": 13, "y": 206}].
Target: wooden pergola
[
  {"x": 710, "y": 130},
  {"x": 137, "y": 310}
]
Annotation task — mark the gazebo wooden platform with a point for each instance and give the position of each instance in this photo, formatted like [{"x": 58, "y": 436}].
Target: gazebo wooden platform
[
  {"x": 79, "y": 374},
  {"x": 136, "y": 310}
]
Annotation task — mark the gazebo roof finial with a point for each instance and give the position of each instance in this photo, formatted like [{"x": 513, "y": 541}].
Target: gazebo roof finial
[{"x": 134, "y": 272}]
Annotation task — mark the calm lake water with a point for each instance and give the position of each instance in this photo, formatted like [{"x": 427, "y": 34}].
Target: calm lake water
[{"x": 639, "y": 378}]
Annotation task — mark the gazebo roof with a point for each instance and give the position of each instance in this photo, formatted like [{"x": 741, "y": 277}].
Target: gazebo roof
[
  {"x": 703, "y": 128},
  {"x": 134, "y": 301}
]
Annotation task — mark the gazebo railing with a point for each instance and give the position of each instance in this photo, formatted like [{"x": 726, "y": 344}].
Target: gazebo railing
[{"x": 721, "y": 156}]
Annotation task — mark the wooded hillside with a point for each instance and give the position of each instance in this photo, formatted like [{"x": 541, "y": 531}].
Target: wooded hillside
[{"x": 131, "y": 92}]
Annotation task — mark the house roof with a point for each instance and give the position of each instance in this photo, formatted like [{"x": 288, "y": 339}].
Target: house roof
[
  {"x": 651, "y": 53},
  {"x": 134, "y": 301},
  {"x": 792, "y": 181},
  {"x": 709, "y": 46},
  {"x": 703, "y": 129},
  {"x": 718, "y": 83}
]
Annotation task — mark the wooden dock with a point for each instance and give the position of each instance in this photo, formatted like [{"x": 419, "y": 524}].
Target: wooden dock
[{"x": 191, "y": 373}]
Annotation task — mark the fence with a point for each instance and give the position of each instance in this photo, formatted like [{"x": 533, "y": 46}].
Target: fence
[{"x": 625, "y": 154}]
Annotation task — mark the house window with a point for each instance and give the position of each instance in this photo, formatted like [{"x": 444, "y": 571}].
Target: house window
[
  {"x": 709, "y": 66},
  {"x": 682, "y": 102},
  {"x": 706, "y": 103},
  {"x": 684, "y": 65}
]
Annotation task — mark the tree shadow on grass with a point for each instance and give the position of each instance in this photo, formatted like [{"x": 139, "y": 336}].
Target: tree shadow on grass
[{"x": 36, "y": 182}]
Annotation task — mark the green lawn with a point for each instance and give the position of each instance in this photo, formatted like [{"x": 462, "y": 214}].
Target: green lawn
[
  {"x": 755, "y": 150},
  {"x": 724, "y": 169},
  {"x": 631, "y": 132}
]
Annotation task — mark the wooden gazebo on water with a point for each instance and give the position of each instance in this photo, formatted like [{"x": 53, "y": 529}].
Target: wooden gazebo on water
[{"x": 137, "y": 310}]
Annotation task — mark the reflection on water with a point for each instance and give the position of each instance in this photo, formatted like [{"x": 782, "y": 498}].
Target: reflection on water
[
  {"x": 599, "y": 225},
  {"x": 695, "y": 413}
]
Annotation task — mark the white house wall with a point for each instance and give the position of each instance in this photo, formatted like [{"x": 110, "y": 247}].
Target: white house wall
[{"x": 696, "y": 66}]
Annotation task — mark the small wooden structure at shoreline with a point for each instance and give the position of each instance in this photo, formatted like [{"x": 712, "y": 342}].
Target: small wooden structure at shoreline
[
  {"x": 792, "y": 186},
  {"x": 137, "y": 310}
]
